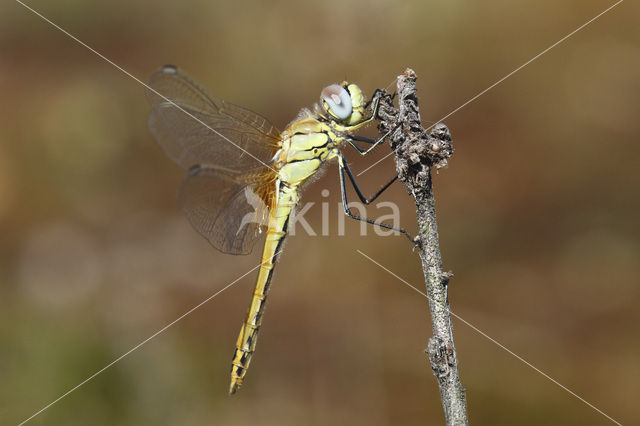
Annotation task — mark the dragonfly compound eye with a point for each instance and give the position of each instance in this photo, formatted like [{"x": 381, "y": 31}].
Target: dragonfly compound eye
[{"x": 336, "y": 101}]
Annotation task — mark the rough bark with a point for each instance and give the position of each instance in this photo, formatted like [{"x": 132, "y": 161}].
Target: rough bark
[{"x": 416, "y": 152}]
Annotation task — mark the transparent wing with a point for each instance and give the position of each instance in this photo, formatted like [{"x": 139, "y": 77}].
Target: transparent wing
[
  {"x": 201, "y": 129},
  {"x": 230, "y": 209},
  {"x": 227, "y": 150}
]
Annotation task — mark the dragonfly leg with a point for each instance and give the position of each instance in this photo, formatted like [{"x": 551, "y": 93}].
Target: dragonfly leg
[
  {"x": 365, "y": 139},
  {"x": 345, "y": 203},
  {"x": 364, "y": 122},
  {"x": 345, "y": 167},
  {"x": 374, "y": 142},
  {"x": 364, "y": 151}
]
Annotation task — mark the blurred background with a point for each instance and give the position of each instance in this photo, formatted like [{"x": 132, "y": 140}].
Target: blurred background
[{"x": 538, "y": 217}]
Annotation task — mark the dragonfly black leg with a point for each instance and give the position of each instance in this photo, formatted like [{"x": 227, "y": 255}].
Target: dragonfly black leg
[
  {"x": 345, "y": 204},
  {"x": 363, "y": 151},
  {"x": 345, "y": 167},
  {"x": 374, "y": 142},
  {"x": 364, "y": 139}
]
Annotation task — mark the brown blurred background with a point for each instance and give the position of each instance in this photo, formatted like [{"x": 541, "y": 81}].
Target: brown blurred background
[{"x": 538, "y": 215}]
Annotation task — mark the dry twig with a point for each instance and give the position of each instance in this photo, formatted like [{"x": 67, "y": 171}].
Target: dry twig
[{"x": 416, "y": 152}]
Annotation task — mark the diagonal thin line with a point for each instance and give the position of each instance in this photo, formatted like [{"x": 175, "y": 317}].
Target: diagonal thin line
[
  {"x": 534, "y": 367},
  {"x": 506, "y": 76},
  {"x": 91, "y": 377},
  {"x": 500, "y": 345},
  {"x": 142, "y": 82},
  {"x": 531, "y": 60}
]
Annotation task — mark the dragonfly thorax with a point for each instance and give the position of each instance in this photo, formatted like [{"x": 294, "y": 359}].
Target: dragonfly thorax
[{"x": 306, "y": 144}]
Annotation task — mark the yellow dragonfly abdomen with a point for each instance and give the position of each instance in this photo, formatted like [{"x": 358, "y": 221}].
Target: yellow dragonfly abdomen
[{"x": 276, "y": 233}]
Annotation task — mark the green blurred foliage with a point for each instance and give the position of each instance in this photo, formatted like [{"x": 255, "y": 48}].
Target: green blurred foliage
[{"x": 538, "y": 216}]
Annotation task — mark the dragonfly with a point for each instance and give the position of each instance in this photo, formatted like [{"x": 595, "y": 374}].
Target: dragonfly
[{"x": 244, "y": 176}]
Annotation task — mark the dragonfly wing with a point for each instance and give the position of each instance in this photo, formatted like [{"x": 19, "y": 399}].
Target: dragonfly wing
[
  {"x": 195, "y": 127},
  {"x": 228, "y": 208}
]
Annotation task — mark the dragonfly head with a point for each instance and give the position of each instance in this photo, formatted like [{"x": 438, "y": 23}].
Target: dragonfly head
[{"x": 343, "y": 102}]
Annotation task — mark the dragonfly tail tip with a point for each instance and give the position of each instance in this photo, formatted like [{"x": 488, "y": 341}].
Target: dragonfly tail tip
[{"x": 233, "y": 388}]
